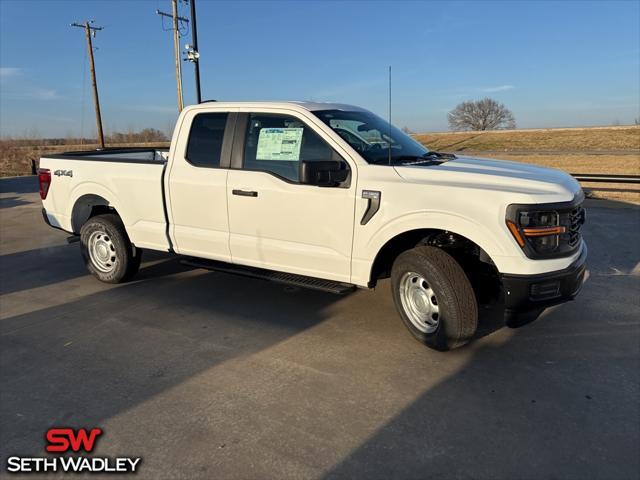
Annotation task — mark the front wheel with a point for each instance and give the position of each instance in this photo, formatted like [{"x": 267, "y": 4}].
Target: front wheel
[
  {"x": 434, "y": 298},
  {"x": 107, "y": 251}
]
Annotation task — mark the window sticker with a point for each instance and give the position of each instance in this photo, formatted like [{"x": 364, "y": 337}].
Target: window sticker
[{"x": 279, "y": 144}]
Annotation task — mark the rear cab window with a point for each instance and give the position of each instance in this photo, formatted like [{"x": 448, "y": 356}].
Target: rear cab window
[{"x": 204, "y": 147}]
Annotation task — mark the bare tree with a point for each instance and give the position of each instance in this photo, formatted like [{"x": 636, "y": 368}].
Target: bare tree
[
  {"x": 148, "y": 135},
  {"x": 485, "y": 114}
]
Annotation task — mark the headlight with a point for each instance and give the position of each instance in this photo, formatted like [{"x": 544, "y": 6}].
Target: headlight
[
  {"x": 540, "y": 229},
  {"x": 544, "y": 232}
]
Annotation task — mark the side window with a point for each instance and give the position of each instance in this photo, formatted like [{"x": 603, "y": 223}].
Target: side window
[
  {"x": 205, "y": 139},
  {"x": 278, "y": 143}
]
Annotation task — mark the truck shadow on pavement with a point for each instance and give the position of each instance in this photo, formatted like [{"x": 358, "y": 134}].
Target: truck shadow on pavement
[
  {"x": 85, "y": 361},
  {"x": 10, "y": 202},
  {"x": 44, "y": 266}
]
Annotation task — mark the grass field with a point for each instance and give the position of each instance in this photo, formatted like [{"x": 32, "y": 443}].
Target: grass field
[
  {"x": 621, "y": 139},
  {"x": 610, "y": 150}
]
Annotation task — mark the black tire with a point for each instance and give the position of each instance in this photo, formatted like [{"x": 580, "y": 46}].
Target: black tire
[
  {"x": 121, "y": 259},
  {"x": 457, "y": 317}
]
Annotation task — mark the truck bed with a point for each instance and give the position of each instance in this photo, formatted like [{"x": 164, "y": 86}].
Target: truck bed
[{"x": 130, "y": 180}]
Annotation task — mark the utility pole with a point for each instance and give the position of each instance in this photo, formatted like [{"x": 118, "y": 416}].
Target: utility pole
[
  {"x": 192, "y": 53},
  {"x": 90, "y": 31},
  {"x": 176, "y": 47},
  {"x": 389, "y": 141}
]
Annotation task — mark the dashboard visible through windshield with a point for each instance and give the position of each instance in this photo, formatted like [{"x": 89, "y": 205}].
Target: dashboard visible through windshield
[{"x": 373, "y": 138}]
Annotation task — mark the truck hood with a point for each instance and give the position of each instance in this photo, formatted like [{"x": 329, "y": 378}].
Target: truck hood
[{"x": 488, "y": 174}]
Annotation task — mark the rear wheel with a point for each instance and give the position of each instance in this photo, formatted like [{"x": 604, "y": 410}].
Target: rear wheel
[
  {"x": 107, "y": 251},
  {"x": 434, "y": 298}
]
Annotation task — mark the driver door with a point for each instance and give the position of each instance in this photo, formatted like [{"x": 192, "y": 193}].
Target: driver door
[{"x": 275, "y": 222}]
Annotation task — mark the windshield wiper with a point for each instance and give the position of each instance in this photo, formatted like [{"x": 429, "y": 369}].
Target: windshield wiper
[
  {"x": 444, "y": 156},
  {"x": 429, "y": 157},
  {"x": 426, "y": 158}
]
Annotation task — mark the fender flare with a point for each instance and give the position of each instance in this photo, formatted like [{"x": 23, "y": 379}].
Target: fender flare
[
  {"x": 434, "y": 220},
  {"x": 85, "y": 196}
]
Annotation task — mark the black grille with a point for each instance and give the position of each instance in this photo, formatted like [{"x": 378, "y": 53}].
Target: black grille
[{"x": 576, "y": 219}]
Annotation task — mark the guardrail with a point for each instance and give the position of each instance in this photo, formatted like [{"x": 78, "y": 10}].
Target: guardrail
[{"x": 603, "y": 178}]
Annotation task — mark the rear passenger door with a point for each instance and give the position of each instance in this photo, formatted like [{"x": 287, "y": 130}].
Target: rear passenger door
[{"x": 196, "y": 197}]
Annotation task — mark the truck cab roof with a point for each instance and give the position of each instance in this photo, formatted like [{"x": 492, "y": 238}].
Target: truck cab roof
[{"x": 305, "y": 105}]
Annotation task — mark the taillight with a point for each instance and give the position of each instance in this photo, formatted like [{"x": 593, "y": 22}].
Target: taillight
[{"x": 44, "y": 178}]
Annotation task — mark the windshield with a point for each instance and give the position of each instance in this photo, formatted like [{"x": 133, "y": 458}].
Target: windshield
[{"x": 372, "y": 137}]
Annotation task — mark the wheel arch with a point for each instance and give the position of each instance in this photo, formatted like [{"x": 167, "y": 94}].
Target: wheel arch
[
  {"x": 456, "y": 244},
  {"x": 87, "y": 206}
]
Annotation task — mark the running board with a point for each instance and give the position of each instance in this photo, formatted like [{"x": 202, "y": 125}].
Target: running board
[{"x": 271, "y": 275}]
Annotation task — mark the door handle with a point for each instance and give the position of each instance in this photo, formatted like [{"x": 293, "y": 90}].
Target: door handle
[{"x": 245, "y": 193}]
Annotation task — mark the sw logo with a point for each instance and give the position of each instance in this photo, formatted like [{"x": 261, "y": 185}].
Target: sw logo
[{"x": 61, "y": 440}]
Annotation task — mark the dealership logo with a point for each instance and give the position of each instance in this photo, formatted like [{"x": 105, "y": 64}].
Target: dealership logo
[
  {"x": 69, "y": 441},
  {"x": 63, "y": 439}
]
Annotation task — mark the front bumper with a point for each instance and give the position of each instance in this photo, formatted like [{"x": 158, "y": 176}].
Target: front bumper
[{"x": 528, "y": 292}]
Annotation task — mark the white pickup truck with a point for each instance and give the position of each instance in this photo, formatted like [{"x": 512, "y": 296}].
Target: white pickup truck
[{"x": 331, "y": 197}]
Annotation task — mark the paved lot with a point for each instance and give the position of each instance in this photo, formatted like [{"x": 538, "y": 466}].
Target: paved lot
[{"x": 207, "y": 375}]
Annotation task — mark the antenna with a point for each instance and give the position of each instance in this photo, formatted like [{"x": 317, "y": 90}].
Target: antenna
[{"x": 389, "y": 139}]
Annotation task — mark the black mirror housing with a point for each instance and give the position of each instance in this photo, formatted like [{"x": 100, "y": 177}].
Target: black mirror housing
[{"x": 323, "y": 173}]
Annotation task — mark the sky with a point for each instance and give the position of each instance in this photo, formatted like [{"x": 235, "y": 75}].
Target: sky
[{"x": 553, "y": 63}]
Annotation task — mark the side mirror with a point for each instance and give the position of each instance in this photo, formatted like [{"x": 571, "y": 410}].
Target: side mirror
[{"x": 323, "y": 173}]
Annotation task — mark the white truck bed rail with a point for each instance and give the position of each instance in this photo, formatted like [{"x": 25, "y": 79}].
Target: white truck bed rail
[{"x": 130, "y": 155}]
